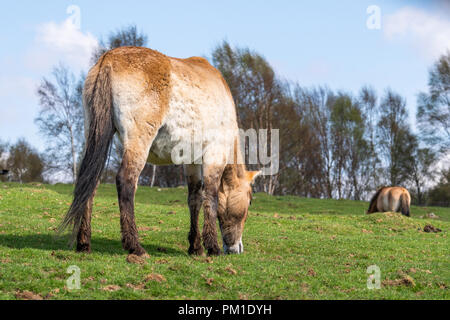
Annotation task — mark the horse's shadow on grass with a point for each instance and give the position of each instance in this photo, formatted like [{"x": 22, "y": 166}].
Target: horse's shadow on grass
[{"x": 99, "y": 245}]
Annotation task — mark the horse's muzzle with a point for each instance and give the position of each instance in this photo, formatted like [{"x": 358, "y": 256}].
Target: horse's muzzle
[{"x": 237, "y": 248}]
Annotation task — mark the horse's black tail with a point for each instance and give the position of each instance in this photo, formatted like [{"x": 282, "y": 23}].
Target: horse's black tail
[
  {"x": 373, "y": 202},
  {"x": 404, "y": 204},
  {"x": 97, "y": 97}
]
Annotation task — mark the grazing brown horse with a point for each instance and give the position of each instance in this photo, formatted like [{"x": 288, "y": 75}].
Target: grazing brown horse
[
  {"x": 391, "y": 199},
  {"x": 156, "y": 103}
]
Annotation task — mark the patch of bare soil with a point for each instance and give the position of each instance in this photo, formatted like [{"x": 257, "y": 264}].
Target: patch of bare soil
[
  {"x": 405, "y": 280},
  {"x": 231, "y": 271},
  {"x": 162, "y": 261},
  {"x": 28, "y": 295},
  {"x": 151, "y": 277},
  {"x": 136, "y": 287},
  {"x": 429, "y": 228},
  {"x": 111, "y": 288},
  {"x": 311, "y": 272},
  {"x": 155, "y": 277},
  {"x": 132, "y": 258},
  {"x": 442, "y": 285},
  {"x": 52, "y": 293},
  {"x": 243, "y": 296},
  {"x": 209, "y": 281}
]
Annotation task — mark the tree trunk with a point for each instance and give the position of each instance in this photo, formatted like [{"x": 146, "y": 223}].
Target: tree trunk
[
  {"x": 419, "y": 192},
  {"x": 153, "y": 176}
]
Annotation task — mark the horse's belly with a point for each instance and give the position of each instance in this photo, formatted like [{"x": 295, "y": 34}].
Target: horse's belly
[
  {"x": 176, "y": 145},
  {"x": 162, "y": 146}
]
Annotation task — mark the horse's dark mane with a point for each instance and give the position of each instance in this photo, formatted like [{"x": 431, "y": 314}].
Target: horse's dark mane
[{"x": 374, "y": 200}]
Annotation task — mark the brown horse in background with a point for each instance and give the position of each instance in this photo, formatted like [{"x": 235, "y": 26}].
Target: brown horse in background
[{"x": 391, "y": 199}]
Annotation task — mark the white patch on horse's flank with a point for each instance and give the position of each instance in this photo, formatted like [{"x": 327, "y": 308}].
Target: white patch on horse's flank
[
  {"x": 130, "y": 99},
  {"x": 195, "y": 110},
  {"x": 385, "y": 203}
]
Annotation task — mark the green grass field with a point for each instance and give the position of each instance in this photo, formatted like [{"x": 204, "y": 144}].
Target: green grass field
[{"x": 295, "y": 248}]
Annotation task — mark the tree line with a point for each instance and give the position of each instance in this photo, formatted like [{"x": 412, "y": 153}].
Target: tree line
[{"x": 333, "y": 144}]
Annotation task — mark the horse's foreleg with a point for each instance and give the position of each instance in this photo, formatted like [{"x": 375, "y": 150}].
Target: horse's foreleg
[
  {"x": 194, "y": 180},
  {"x": 212, "y": 176}
]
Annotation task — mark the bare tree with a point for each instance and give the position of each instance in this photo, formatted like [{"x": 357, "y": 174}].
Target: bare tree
[
  {"x": 421, "y": 171},
  {"x": 349, "y": 147},
  {"x": 339, "y": 126},
  {"x": 433, "y": 112},
  {"x": 395, "y": 138},
  {"x": 60, "y": 119},
  {"x": 256, "y": 91},
  {"x": 316, "y": 105},
  {"x": 369, "y": 108}
]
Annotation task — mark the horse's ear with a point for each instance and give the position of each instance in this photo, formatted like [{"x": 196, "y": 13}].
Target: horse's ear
[{"x": 250, "y": 176}]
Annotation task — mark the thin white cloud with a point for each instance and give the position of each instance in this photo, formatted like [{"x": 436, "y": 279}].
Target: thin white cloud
[
  {"x": 429, "y": 33},
  {"x": 61, "y": 42}
]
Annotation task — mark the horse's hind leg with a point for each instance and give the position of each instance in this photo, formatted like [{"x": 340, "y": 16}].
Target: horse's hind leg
[
  {"x": 134, "y": 159},
  {"x": 84, "y": 233},
  {"x": 193, "y": 175}
]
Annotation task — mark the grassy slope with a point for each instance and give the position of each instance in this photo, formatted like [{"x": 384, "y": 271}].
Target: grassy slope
[{"x": 295, "y": 249}]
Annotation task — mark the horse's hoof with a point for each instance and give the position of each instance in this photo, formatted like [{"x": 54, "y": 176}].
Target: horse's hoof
[
  {"x": 214, "y": 252},
  {"x": 140, "y": 252},
  {"x": 195, "y": 251},
  {"x": 83, "y": 248}
]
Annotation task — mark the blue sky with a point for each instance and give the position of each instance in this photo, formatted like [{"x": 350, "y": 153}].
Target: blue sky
[{"x": 310, "y": 42}]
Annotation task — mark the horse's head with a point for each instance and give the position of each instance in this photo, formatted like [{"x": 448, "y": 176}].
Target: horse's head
[{"x": 235, "y": 196}]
